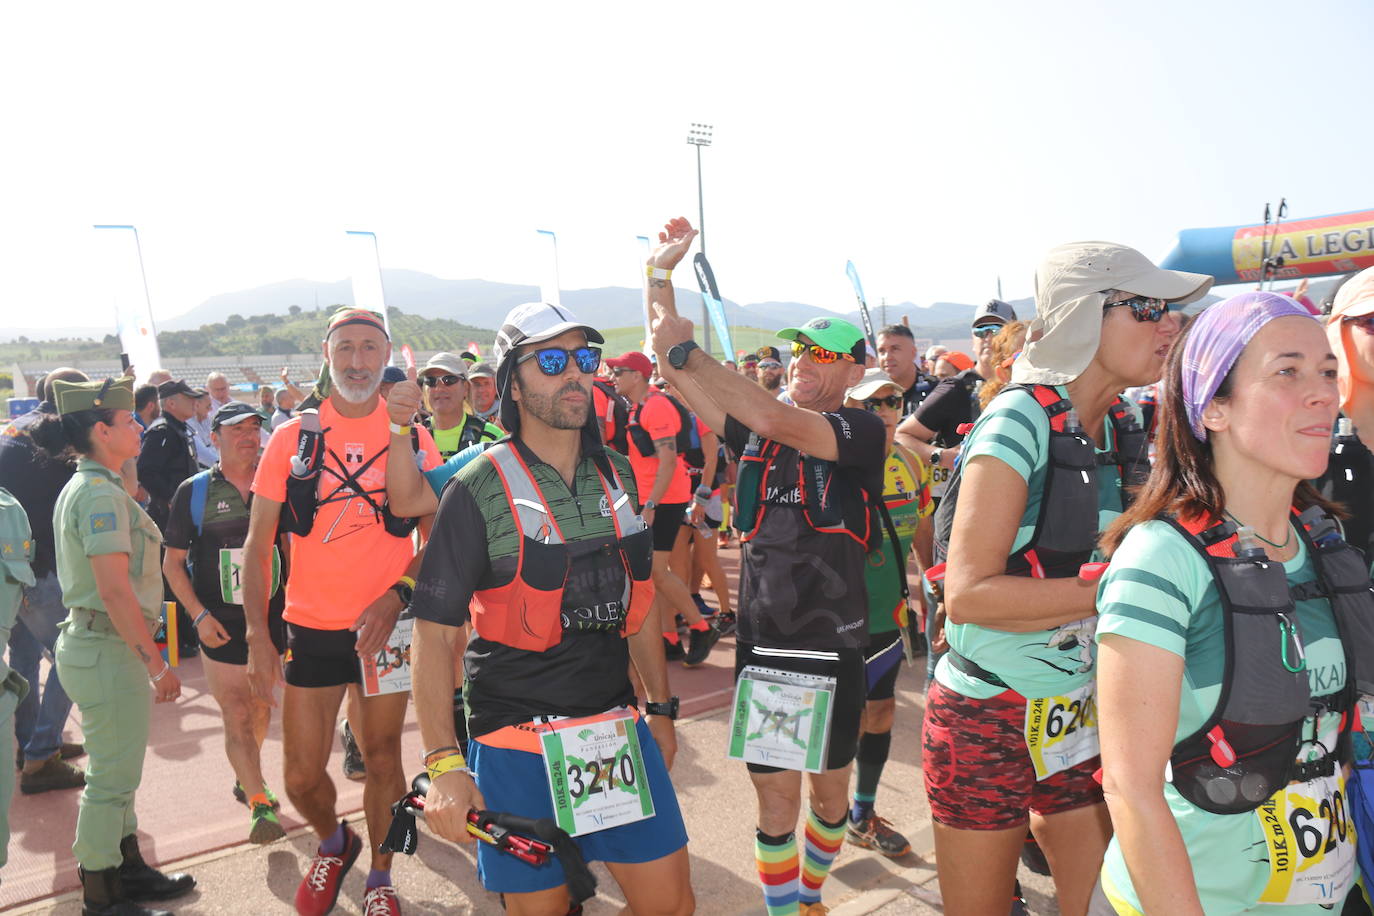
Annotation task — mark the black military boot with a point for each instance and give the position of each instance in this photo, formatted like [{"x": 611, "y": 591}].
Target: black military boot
[
  {"x": 143, "y": 882},
  {"x": 102, "y": 894}
]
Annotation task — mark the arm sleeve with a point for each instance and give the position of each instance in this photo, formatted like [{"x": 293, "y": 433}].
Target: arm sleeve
[
  {"x": 102, "y": 524},
  {"x": 1151, "y": 588},
  {"x": 454, "y": 562},
  {"x": 1013, "y": 430},
  {"x": 180, "y": 529}
]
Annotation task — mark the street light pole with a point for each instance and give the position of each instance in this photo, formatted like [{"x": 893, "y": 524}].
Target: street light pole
[{"x": 699, "y": 135}]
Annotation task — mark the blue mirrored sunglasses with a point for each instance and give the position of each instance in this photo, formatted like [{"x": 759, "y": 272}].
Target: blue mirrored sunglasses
[
  {"x": 554, "y": 360},
  {"x": 1143, "y": 308}
]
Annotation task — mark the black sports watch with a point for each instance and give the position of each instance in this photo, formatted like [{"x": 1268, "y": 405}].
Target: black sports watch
[
  {"x": 668, "y": 709},
  {"x": 677, "y": 355},
  {"x": 405, "y": 591},
  {"x": 935, "y": 456}
]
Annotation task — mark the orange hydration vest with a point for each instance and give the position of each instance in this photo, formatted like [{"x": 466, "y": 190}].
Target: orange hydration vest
[{"x": 526, "y": 613}]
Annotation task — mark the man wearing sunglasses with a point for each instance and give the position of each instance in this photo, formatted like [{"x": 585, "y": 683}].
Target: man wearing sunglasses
[
  {"x": 445, "y": 381},
  {"x": 536, "y": 544},
  {"x": 656, "y": 429},
  {"x": 809, "y": 477},
  {"x": 770, "y": 370}
]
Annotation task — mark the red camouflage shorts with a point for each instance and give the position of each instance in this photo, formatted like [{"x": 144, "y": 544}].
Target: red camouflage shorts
[{"x": 978, "y": 773}]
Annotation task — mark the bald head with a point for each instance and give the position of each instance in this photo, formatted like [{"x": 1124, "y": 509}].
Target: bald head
[{"x": 63, "y": 374}]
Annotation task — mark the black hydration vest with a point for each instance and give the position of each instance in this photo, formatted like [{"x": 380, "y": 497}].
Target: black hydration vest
[
  {"x": 1349, "y": 480},
  {"x": 1066, "y": 532},
  {"x": 303, "y": 483},
  {"x": 1247, "y": 749},
  {"x": 687, "y": 442}
]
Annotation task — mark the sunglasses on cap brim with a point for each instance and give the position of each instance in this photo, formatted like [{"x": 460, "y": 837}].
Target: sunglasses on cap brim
[{"x": 555, "y": 360}]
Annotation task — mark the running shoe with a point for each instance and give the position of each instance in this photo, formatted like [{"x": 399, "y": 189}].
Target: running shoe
[
  {"x": 381, "y": 901},
  {"x": 705, "y": 609},
  {"x": 319, "y": 889},
  {"x": 702, "y": 641},
  {"x": 264, "y": 827},
  {"x": 241, "y": 796},
  {"x": 353, "y": 766},
  {"x": 812, "y": 909},
  {"x": 725, "y": 622},
  {"x": 673, "y": 651},
  {"x": 875, "y": 832}
]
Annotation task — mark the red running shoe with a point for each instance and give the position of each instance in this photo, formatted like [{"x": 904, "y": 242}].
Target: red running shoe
[
  {"x": 381, "y": 901},
  {"x": 319, "y": 888}
]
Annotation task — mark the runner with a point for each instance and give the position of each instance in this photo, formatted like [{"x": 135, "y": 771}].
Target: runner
[
  {"x": 906, "y": 493},
  {"x": 205, "y": 533},
  {"x": 107, "y": 562},
  {"x": 445, "y": 379},
  {"x": 1017, "y": 525},
  {"x": 659, "y": 433},
  {"x": 1222, "y": 752},
  {"x": 353, "y": 565},
  {"x": 1350, "y": 329},
  {"x": 806, "y": 521},
  {"x": 482, "y": 393},
  {"x": 769, "y": 369},
  {"x": 897, "y": 357},
  {"x": 567, "y": 654}
]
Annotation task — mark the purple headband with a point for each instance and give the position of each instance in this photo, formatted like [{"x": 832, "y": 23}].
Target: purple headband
[{"x": 1215, "y": 342}]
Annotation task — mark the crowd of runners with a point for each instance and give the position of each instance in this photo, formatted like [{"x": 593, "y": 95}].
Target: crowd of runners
[{"x": 1128, "y": 550}]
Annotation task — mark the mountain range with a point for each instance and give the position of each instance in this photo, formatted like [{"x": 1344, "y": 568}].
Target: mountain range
[{"x": 481, "y": 303}]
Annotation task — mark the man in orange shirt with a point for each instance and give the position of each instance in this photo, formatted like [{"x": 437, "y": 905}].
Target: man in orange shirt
[
  {"x": 352, "y": 568},
  {"x": 658, "y": 428}
]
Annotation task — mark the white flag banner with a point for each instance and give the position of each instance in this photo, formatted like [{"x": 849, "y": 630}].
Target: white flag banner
[
  {"x": 547, "y": 256},
  {"x": 365, "y": 269},
  {"x": 120, "y": 263},
  {"x": 641, "y": 262}
]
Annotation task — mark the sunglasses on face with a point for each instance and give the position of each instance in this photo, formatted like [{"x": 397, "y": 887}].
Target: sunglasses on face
[
  {"x": 1363, "y": 322},
  {"x": 819, "y": 354},
  {"x": 554, "y": 360},
  {"x": 986, "y": 330},
  {"x": 892, "y": 402},
  {"x": 1143, "y": 308},
  {"x": 770, "y": 364},
  {"x": 448, "y": 381}
]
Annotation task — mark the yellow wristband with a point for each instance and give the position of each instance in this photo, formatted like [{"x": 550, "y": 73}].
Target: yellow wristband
[
  {"x": 454, "y": 761},
  {"x": 406, "y": 581},
  {"x": 658, "y": 273},
  {"x": 399, "y": 430}
]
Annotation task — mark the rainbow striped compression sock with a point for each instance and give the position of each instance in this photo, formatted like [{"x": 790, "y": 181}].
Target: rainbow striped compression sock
[
  {"x": 822, "y": 845},
  {"x": 779, "y": 868}
]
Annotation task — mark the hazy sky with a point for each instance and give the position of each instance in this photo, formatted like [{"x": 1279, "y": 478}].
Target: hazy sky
[{"x": 936, "y": 144}]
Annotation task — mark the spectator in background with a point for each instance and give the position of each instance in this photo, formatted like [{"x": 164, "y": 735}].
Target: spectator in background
[
  {"x": 770, "y": 369},
  {"x": 933, "y": 353},
  {"x": 951, "y": 363},
  {"x": 36, "y": 478},
  {"x": 286, "y": 406},
  {"x": 267, "y": 399},
  {"x": 218, "y": 386},
  {"x": 390, "y": 376},
  {"x": 146, "y": 408},
  {"x": 159, "y": 376},
  {"x": 898, "y": 358},
  {"x": 482, "y": 393},
  {"x": 749, "y": 366},
  {"x": 206, "y": 453}
]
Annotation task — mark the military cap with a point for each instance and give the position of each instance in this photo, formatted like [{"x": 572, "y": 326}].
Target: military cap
[{"x": 109, "y": 394}]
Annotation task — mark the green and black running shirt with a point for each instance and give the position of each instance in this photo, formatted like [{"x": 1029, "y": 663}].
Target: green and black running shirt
[
  {"x": 216, "y": 551},
  {"x": 475, "y": 545}
]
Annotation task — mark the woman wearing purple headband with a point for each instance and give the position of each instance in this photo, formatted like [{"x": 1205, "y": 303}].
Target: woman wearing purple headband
[{"x": 1218, "y": 634}]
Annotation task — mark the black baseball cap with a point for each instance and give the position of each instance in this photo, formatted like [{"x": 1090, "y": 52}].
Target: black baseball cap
[
  {"x": 234, "y": 412},
  {"x": 175, "y": 387}
]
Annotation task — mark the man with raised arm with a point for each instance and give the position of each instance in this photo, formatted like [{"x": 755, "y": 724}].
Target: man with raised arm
[{"x": 806, "y": 520}]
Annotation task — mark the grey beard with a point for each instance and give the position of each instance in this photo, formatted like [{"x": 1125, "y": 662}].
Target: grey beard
[{"x": 354, "y": 394}]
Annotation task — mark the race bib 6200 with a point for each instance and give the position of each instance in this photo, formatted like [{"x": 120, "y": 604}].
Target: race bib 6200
[
  {"x": 1311, "y": 843},
  {"x": 1062, "y": 731}
]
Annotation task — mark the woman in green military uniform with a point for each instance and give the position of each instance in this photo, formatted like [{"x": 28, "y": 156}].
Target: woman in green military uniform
[{"x": 108, "y": 565}]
